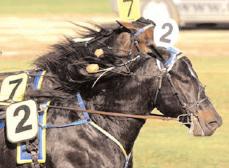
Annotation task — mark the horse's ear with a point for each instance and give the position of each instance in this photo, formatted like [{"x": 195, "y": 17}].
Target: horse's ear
[{"x": 127, "y": 25}]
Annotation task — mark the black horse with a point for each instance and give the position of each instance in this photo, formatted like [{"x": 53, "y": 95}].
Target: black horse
[{"x": 134, "y": 77}]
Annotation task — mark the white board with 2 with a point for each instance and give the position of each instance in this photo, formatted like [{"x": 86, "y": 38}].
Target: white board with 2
[
  {"x": 166, "y": 33},
  {"x": 22, "y": 121}
]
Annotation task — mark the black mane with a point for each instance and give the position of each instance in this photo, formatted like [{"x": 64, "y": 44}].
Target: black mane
[{"x": 68, "y": 60}]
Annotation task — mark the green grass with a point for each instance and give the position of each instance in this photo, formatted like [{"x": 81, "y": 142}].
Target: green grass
[
  {"x": 163, "y": 144},
  {"x": 15, "y": 7},
  {"x": 14, "y": 65}
]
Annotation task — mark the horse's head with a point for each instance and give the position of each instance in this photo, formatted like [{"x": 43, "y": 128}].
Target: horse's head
[
  {"x": 182, "y": 95},
  {"x": 137, "y": 36}
]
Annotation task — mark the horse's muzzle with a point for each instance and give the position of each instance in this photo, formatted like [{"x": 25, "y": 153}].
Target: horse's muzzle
[{"x": 205, "y": 127}]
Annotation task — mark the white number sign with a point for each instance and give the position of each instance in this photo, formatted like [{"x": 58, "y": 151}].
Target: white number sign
[
  {"x": 166, "y": 32},
  {"x": 13, "y": 87},
  {"x": 22, "y": 121}
]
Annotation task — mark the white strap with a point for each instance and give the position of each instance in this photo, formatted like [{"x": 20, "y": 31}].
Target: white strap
[
  {"x": 41, "y": 80},
  {"x": 111, "y": 137}
]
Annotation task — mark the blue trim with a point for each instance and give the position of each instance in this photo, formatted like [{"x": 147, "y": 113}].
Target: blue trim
[
  {"x": 82, "y": 106},
  {"x": 75, "y": 123},
  {"x": 40, "y": 138},
  {"x": 36, "y": 80},
  {"x": 2, "y": 124},
  {"x": 173, "y": 55},
  {"x": 139, "y": 32},
  {"x": 27, "y": 156},
  {"x": 23, "y": 152}
]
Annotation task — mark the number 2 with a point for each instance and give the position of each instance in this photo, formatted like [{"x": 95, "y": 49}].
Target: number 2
[
  {"x": 166, "y": 33},
  {"x": 131, "y": 4},
  {"x": 21, "y": 121},
  {"x": 164, "y": 38},
  {"x": 20, "y": 127}
]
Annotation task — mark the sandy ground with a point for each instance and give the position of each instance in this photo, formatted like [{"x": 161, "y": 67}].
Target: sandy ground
[{"x": 29, "y": 37}]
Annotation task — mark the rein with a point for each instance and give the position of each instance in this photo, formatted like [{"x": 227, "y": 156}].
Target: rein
[{"x": 114, "y": 114}]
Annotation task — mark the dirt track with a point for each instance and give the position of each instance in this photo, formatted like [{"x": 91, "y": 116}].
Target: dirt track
[{"x": 27, "y": 38}]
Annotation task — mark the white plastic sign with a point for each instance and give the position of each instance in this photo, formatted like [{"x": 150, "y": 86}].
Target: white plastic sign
[
  {"x": 166, "y": 33},
  {"x": 21, "y": 121},
  {"x": 13, "y": 87}
]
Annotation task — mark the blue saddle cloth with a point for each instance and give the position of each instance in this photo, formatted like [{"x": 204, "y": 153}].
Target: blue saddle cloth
[{"x": 23, "y": 156}]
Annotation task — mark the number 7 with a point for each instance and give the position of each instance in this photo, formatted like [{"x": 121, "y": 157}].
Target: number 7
[
  {"x": 13, "y": 87},
  {"x": 131, "y": 4},
  {"x": 18, "y": 82}
]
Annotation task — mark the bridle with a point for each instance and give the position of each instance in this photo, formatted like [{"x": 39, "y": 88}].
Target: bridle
[
  {"x": 186, "y": 117},
  {"x": 188, "y": 113}
]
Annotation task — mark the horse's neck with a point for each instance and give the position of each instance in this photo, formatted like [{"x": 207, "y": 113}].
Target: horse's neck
[{"x": 126, "y": 101}]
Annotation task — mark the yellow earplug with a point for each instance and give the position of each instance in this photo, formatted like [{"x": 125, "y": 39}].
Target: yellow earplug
[
  {"x": 99, "y": 52},
  {"x": 92, "y": 68}
]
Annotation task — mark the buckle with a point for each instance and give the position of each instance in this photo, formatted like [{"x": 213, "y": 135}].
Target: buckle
[{"x": 185, "y": 119}]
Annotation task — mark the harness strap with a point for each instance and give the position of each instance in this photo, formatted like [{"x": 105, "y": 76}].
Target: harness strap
[
  {"x": 107, "y": 134},
  {"x": 75, "y": 123},
  {"x": 128, "y": 160},
  {"x": 2, "y": 124},
  {"x": 38, "y": 80},
  {"x": 83, "y": 121},
  {"x": 142, "y": 30},
  {"x": 174, "y": 53},
  {"x": 82, "y": 106},
  {"x": 112, "y": 138},
  {"x": 104, "y": 132},
  {"x": 158, "y": 90},
  {"x": 33, "y": 148}
]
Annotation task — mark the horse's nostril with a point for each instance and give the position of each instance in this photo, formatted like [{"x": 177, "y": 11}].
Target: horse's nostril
[{"x": 213, "y": 125}]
